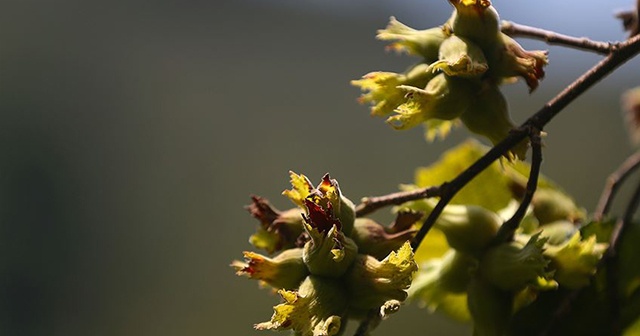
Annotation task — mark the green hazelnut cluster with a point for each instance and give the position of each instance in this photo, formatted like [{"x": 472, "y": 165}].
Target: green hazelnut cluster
[
  {"x": 498, "y": 279},
  {"x": 463, "y": 63},
  {"x": 329, "y": 266}
]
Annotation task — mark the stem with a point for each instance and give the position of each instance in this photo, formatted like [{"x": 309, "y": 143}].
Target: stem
[
  {"x": 371, "y": 204},
  {"x": 371, "y": 321},
  {"x": 550, "y": 37},
  {"x": 615, "y": 180},
  {"x": 506, "y": 231},
  {"x": 625, "y": 51}
]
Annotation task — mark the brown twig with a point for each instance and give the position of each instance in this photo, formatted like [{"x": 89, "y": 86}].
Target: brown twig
[
  {"x": 371, "y": 204},
  {"x": 615, "y": 180},
  {"x": 625, "y": 51},
  {"x": 550, "y": 37},
  {"x": 371, "y": 321},
  {"x": 506, "y": 231}
]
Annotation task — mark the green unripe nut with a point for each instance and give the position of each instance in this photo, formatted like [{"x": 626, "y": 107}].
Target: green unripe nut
[
  {"x": 468, "y": 228},
  {"x": 550, "y": 205},
  {"x": 455, "y": 273},
  {"x": 488, "y": 116},
  {"x": 490, "y": 308},
  {"x": 381, "y": 88},
  {"x": 316, "y": 309},
  {"x": 425, "y": 43},
  {"x": 370, "y": 282},
  {"x": 460, "y": 57},
  {"x": 512, "y": 266},
  {"x": 286, "y": 270},
  {"x": 508, "y": 60},
  {"x": 444, "y": 98},
  {"x": 328, "y": 254},
  {"x": 477, "y": 21},
  {"x": 346, "y": 215},
  {"x": 375, "y": 240}
]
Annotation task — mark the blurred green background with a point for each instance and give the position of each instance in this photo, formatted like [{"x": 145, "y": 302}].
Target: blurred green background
[{"x": 132, "y": 134}]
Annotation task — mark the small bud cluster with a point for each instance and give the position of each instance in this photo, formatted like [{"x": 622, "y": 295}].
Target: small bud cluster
[
  {"x": 498, "y": 279},
  {"x": 463, "y": 63},
  {"x": 330, "y": 266}
]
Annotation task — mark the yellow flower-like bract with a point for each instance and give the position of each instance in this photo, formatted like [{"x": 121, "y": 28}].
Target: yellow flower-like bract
[
  {"x": 576, "y": 261},
  {"x": 314, "y": 310},
  {"x": 425, "y": 43},
  {"x": 372, "y": 282},
  {"x": 287, "y": 270}
]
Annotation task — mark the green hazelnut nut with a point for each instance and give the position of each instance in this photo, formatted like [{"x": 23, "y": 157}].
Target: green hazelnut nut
[
  {"x": 444, "y": 98},
  {"x": 425, "y": 43},
  {"x": 376, "y": 240},
  {"x": 490, "y": 307},
  {"x": 381, "y": 88},
  {"x": 468, "y": 228},
  {"x": 476, "y": 20},
  {"x": 371, "y": 282},
  {"x": 286, "y": 270},
  {"x": 508, "y": 60},
  {"x": 550, "y": 205},
  {"x": 316, "y": 309},
  {"x": 437, "y": 279},
  {"x": 512, "y": 266},
  {"x": 455, "y": 273},
  {"x": 346, "y": 215},
  {"x": 460, "y": 57},
  {"x": 330, "y": 253},
  {"x": 488, "y": 116}
]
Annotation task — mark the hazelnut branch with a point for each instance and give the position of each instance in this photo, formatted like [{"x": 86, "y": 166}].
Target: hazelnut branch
[
  {"x": 506, "y": 231},
  {"x": 614, "y": 181},
  {"x": 553, "y": 38},
  {"x": 625, "y": 51},
  {"x": 369, "y": 323},
  {"x": 371, "y": 204}
]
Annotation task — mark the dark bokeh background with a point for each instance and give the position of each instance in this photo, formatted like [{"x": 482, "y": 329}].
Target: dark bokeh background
[{"x": 131, "y": 135}]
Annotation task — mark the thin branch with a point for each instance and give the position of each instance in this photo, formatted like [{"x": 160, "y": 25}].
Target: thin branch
[
  {"x": 550, "y": 37},
  {"x": 615, "y": 180},
  {"x": 371, "y": 204},
  {"x": 506, "y": 231},
  {"x": 626, "y": 50},
  {"x": 371, "y": 321}
]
